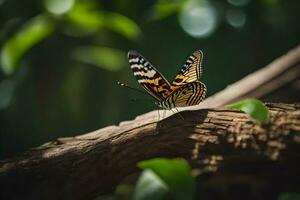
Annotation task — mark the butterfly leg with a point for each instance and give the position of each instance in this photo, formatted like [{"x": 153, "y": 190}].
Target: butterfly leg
[
  {"x": 179, "y": 114},
  {"x": 158, "y": 115},
  {"x": 164, "y": 114}
]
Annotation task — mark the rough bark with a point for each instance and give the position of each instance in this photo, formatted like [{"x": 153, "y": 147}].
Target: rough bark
[
  {"x": 220, "y": 143},
  {"x": 212, "y": 140}
]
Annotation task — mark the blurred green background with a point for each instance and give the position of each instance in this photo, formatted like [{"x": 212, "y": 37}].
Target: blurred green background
[{"x": 61, "y": 59}]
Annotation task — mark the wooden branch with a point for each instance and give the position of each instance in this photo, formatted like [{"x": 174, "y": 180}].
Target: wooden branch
[
  {"x": 84, "y": 166},
  {"x": 211, "y": 139}
]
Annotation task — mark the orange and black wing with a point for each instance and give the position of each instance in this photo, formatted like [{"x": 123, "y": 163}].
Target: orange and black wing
[
  {"x": 190, "y": 72},
  {"x": 188, "y": 95},
  {"x": 149, "y": 77}
]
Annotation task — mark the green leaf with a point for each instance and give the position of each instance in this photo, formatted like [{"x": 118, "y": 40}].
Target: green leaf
[
  {"x": 34, "y": 31},
  {"x": 103, "y": 57},
  {"x": 164, "y": 8},
  {"x": 122, "y": 25},
  {"x": 150, "y": 187},
  {"x": 85, "y": 16},
  {"x": 176, "y": 173},
  {"x": 254, "y": 108},
  {"x": 88, "y": 18}
]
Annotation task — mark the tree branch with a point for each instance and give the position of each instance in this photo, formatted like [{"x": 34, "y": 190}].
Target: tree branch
[{"x": 282, "y": 71}]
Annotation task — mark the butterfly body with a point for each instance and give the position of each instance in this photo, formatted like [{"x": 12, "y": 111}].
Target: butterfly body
[{"x": 185, "y": 90}]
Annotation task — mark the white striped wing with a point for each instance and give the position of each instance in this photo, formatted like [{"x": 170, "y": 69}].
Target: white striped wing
[{"x": 149, "y": 77}]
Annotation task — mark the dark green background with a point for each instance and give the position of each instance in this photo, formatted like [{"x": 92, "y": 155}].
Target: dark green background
[{"x": 56, "y": 88}]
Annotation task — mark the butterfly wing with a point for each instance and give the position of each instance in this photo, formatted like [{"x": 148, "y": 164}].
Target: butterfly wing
[
  {"x": 149, "y": 77},
  {"x": 188, "y": 95},
  {"x": 190, "y": 72}
]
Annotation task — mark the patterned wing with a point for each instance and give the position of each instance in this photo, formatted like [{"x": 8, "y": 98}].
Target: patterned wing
[
  {"x": 190, "y": 72},
  {"x": 187, "y": 95},
  {"x": 149, "y": 77}
]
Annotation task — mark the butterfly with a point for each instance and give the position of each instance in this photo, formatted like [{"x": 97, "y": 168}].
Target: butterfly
[{"x": 185, "y": 90}]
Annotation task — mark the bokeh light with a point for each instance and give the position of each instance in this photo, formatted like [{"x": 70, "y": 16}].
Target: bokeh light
[
  {"x": 198, "y": 18},
  {"x": 236, "y": 17},
  {"x": 58, "y": 7}
]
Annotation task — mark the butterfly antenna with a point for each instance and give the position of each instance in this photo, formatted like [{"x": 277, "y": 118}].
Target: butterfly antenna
[{"x": 132, "y": 88}]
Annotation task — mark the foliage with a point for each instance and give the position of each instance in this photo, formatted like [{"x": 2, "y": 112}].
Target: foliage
[
  {"x": 86, "y": 17},
  {"x": 174, "y": 173},
  {"x": 34, "y": 31},
  {"x": 254, "y": 108},
  {"x": 150, "y": 187},
  {"x": 161, "y": 178}
]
